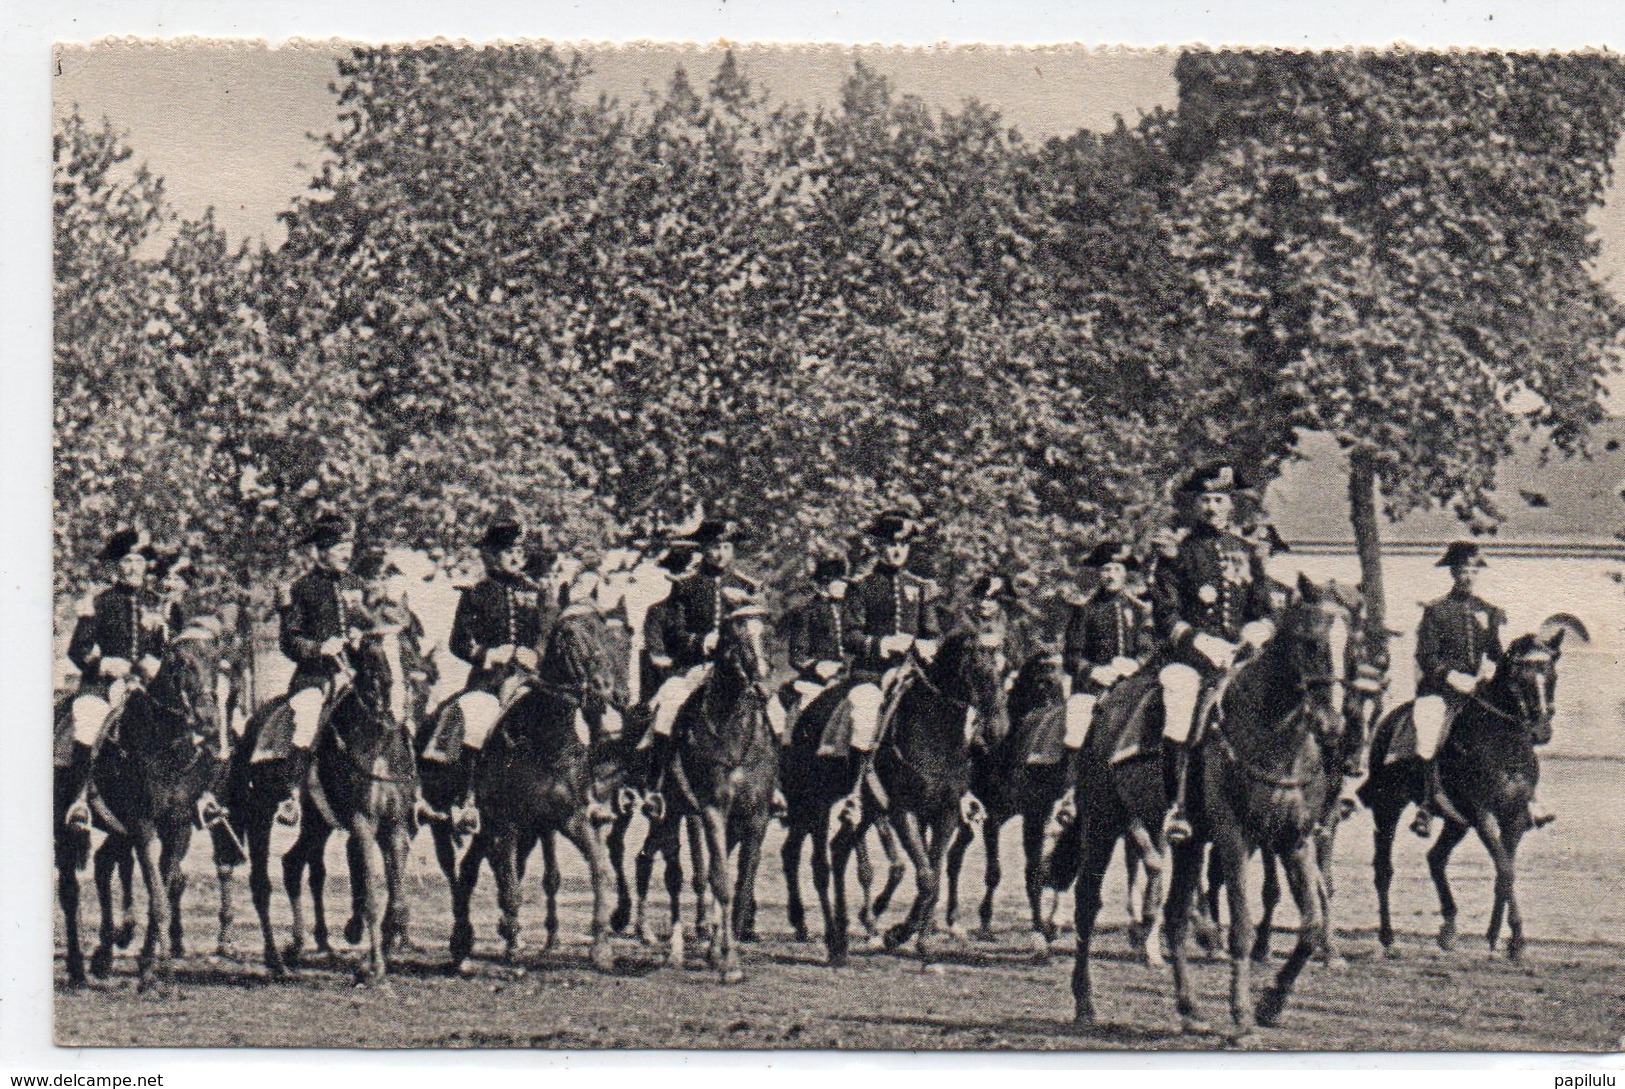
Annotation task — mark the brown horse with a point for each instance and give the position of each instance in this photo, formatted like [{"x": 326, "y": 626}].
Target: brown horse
[
  {"x": 148, "y": 779},
  {"x": 366, "y": 773},
  {"x": 1008, "y": 786},
  {"x": 1489, "y": 771},
  {"x": 924, "y": 767},
  {"x": 725, "y": 765},
  {"x": 1263, "y": 782},
  {"x": 537, "y": 777}
]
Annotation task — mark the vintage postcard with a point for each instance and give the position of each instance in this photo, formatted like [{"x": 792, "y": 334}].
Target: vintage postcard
[{"x": 777, "y": 547}]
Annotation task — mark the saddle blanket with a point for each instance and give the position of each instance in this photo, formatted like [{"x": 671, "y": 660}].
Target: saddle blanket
[
  {"x": 445, "y": 742},
  {"x": 1395, "y": 739},
  {"x": 1045, "y": 742},
  {"x": 275, "y": 738},
  {"x": 836, "y": 740}
]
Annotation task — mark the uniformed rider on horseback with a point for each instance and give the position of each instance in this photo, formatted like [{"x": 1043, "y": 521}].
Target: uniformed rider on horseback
[
  {"x": 497, "y": 629},
  {"x": 1458, "y": 646},
  {"x": 815, "y": 633},
  {"x": 689, "y": 630},
  {"x": 1108, "y": 637},
  {"x": 322, "y": 614},
  {"x": 1210, "y": 597},
  {"x": 117, "y": 644},
  {"x": 172, "y": 574},
  {"x": 892, "y": 621}
]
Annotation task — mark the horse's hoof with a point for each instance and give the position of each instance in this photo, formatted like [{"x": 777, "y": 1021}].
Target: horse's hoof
[
  {"x": 1040, "y": 948},
  {"x": 803, "y": 935},
  {"x": 463, "y": 968},
  {"x": 959, "y": 932},
  {"x": 125, "y": 934},
  {"x": 550, "y": 943},
  {"x": 1390, "y": 951},
  {"x": 1268, "y": 1010},
  {"x": 1337, "y": 962},
  {"x": 1447, "y": 937},
  {"x": 1192, "y": 1025},
  {"x": 894, "y": 937},
  {"x": 646, "y": 935},
  {"x": 732, "y": 975},
  {"x": 101, "y": 962},
  {"x": 1242, "y": 1039},
  {"x": 292, "y": 956},
  {"x": 676, "y": 955},
  {"x": 1152, "y": 956},
  {"x": 620, "y": 918},
  {"x": 748, "y": 937},
  {"x": 1515, "y": 950},
  {"x": 1084, "y": 1016},
  {"x": 984, "y": 933},
  {"x": 353, "y": 930},
  {"x": 838, "y": 957},
  {"x": 875, "y": 943},
  {"x": 603, "y": 955}
]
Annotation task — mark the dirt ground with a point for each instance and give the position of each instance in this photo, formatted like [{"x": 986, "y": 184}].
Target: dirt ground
[{"x": 1567, "y": 994}]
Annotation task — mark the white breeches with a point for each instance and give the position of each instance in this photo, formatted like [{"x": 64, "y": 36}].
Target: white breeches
[
  {"x": 671, "y": 696},
  {"x": 306, "y": 705},
  {"x": 90, "y": 714},
  {"x": 480, "y": 713},
  {"x": 1181, "y": 686},
  {"x": 1080, "y": 712},
  {"x": 1428, "y": 714},
  {"x": 865, "y": 700},
  {"x": 808, "y": 690}
]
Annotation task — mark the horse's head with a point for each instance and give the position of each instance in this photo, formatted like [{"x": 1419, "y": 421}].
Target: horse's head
[
  {"x": 742, "y": 643},
  {"x": 186, "y": 687},
  {"x": 1527, "y": 673},
  {"x": 970, "y": 668},
  {"x": 380, "y": 679},
  {"x": 1319, "y": 633}
]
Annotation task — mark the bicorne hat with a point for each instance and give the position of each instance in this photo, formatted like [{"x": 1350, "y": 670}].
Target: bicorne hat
[
  {"x": 713, "y": 530},
  {"x": 1461, "y": 554},
  {"x": 1106, "y": 552},
  {"x": 501, "y": 534},
  {"x": 125, "y": 541},
  {"x": 826, "y": 569},
  {"x": 894, "y": 527},
  {"x": 1215, "y": 476},
  {"x": 327, "y": 531},
  {"x": 678, "y": 556},
  {"x": 995, "y": 586}
]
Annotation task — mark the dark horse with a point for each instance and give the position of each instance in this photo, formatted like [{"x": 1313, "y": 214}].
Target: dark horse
[
  {"x": 149, "y": 780},
  {"x": 1262, "y": 782},
  {"x": 538, "y": 776},
  {"x": 725, "y": 764},
  {"x": 1488, "y": 769},
  {"x": 365, "y": 771},
  {"x": 924, "y": 766},
  {"x": 1008, "y": 786}
]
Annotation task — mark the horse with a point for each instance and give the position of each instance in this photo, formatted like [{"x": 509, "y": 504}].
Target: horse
[
  {"x": 725, "y": 764},
  {"x": 1261, "y": 780},
  {"x": 367, "y": 777},
  {"x": 924, "y": 767},
  {"x": 538, "y": 776},
  {"x": 1488, "y": 769},
  {"x": 1009, "y": 786},
  {"x": 148, "y": 779},
  {"x": 812, "y": 785}
]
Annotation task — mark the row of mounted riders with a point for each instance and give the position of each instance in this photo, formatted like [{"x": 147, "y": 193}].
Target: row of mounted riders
[{"x": 957, "y": 726}]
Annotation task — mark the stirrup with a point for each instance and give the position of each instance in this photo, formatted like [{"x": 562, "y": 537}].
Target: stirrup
[
  {"x": 654, "y": 805},
  {"x": 1545, "y": 817},
  {"x": 851, "y": 809},
  {"x": 209, "y": 812},
  {"x": 287, "y": 812},
  {"x": 1177, "y": 827},
  {"x": 78, "y": 817},
  {"x": 466, "y": 819},
  {"x": 1422, "y": 823},
  {"x": 1066, "y": 809},
  {"x": 779, "y": 807}
]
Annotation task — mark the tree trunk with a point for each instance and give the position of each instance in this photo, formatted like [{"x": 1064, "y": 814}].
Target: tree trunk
[{"x": 1363, "y": 514}]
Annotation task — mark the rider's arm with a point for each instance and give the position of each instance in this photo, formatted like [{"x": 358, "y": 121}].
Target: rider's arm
[
  {"x": 1074, "y": 638},
  {"x": 1430, "y": 664},
  {"x": 462, "y": 642},
  {"x": 82, "y": 649},
  {"x": 1167, "y": 600},
  {"x": 931, "y": 625},
  {"x": 297, "y": 640},
  {"x": 854, "y": 621}
]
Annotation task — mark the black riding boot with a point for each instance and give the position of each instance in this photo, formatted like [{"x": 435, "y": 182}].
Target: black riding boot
[
  {"x": 465, "y": 816},
  {"x": 1177, "y": 825},
  {"x": 77, "y": 815},
  {"x": 288, "y": 812}
]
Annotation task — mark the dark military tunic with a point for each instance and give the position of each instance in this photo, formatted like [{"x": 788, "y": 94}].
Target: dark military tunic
[
  {"x": 1104, "y": 628},
  {"x": 500, "y": 610},
  {"x": 815, "y": 631},
  {"x": 320, "y": 606},
  {"x": 1456, "y": 630},
  {"x": 888, "y": 602},
  {"x": 695, "y": 610},
  {"x": 119, "y": 623},
  {"x": 1214, "y": 585}
]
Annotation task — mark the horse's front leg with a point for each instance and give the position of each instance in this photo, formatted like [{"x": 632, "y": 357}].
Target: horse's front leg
[
  {"x": 67, "y": 894},
  {"x": 750, "y": 860},
  {"x": 992, "y": 829},
  {"x": 293, "y": 879},
  {"x": 175, "y": 886},
  {"x": 720, "y": 865},
  {"x": 1233, "y": 853},
  {"x": 552, "y": 880},
  {"x": 1272, "y": 899},
  {"x": 836, "y": 941},
  {"x": 1438, "y": 864},
  {"x": 504, "y": 855},
  {"x": 1502, "y": 844},
  {"x": 153, "y": 962},
  {"x": 1304, "y": 877},
  {"x": 935, "y": 856},
  {"x": 790, "y": 859},
  {"x": 907, "y": 824},
  {"x": 463, "y": 877},
  {"x": 1183, "y": 887},
  {"x": 396, "y": 844},
  {"x": 1035, "y": 874},
  {"x": 589, "y": 839},
  {"x": 1095, "y": 844},
  {"x": 895, "y": 870},
  {"x": 963, "y": 835},
  {"x": 105, "y": 863},
  {"x": 364, "y": 832},
  {"x": 615, "y": 845},
  {"x": 126, "y": 878}
]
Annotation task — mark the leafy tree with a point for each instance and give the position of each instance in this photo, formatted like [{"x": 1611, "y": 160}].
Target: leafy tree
[{"x": 1400, "y": 242}]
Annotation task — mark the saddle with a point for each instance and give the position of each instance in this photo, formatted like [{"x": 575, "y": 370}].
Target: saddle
[
  {"x": 1394, "y": 739},
  {"x": 445, "y": 742},
  {"x": 1045, "y": 742},
  {"x": 275, "y": 739}
]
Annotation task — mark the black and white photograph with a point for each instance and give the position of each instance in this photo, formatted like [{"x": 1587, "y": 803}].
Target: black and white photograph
[{"x": 746, "y": 546}]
